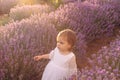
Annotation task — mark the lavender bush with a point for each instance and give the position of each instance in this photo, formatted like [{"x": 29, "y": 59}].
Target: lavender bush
[
  {"x": 6, "y": 5},
  {"x": 67, "y": 1},
  {"x": 19, "y": 42},
  {"x": 105, "y": 64},
  {"x": 99, "y": 2},
  {"x": 86, "y": 18},
  {"x": 28, "y": 10},
  {"x": 112, "y": 7}
]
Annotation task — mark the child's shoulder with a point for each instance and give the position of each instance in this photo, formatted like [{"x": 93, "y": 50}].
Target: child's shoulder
[{"x": 72, "y": 54}]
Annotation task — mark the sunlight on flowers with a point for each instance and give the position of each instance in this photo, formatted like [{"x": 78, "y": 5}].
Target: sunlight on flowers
[{"x": 25, "y": 2}]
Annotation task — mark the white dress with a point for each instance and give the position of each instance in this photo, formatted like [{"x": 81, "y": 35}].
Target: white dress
[{"x": 60, "y": 67}]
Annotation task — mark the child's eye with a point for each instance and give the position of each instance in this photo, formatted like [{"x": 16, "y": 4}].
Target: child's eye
[{"x": 61, "y": 43}]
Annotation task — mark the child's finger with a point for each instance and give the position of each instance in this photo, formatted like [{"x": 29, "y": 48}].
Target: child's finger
[{"x": 36, "y": 58}]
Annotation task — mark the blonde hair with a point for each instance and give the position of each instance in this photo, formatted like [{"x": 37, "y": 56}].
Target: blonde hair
[{"x": 70, "y": 36}]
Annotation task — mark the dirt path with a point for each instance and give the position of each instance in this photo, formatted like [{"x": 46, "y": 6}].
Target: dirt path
[{"x": 94, "y": 47}]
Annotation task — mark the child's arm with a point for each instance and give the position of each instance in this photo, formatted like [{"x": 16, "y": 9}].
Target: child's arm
[{"x": 44, "y": 56}]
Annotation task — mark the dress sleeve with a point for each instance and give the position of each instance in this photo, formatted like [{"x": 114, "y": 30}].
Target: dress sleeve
[
  {"x": 51, "y": 54},
  {"x": 73, "y": 66}
]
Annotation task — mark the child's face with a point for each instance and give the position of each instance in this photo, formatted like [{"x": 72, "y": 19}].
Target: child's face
[{"x": 62, "y": 44}]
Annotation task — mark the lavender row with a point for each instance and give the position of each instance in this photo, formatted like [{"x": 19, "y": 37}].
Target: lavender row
[
  {"x": 90, "y": 20},
  {"x": 28, "y": 10},
  {"x": 104, "y": 65},
  {"x": 6, "y": 5},
  {"x": 19, "y": 42}
]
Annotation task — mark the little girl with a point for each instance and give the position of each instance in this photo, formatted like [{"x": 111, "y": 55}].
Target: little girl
[{"x": 62, "y": 64}]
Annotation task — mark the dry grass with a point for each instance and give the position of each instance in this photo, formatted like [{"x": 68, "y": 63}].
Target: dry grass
[{"x": 4, "y": 19}]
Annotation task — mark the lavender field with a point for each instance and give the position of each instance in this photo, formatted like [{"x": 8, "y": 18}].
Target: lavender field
[{"x": 29, "y": 28}]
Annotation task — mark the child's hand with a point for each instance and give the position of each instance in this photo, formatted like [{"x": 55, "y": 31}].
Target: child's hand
[{"x": 36, "y": 58}]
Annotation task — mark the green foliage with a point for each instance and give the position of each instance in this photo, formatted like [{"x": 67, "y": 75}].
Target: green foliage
[{"x": 4, "y": 19}]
